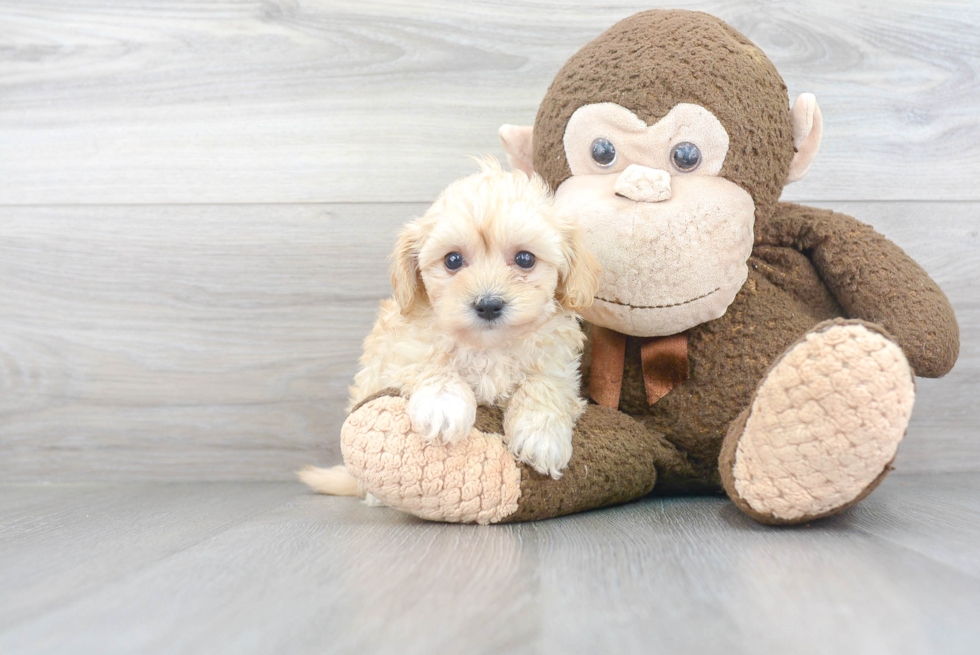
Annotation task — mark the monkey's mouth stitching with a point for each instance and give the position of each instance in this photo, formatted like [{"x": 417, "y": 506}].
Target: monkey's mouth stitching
[{"x": 676, "y": 304}]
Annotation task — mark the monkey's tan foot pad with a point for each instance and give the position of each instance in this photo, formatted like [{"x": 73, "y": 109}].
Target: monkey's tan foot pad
[
  {"x": 823, "y": 428},
  {"x": 472, "y": 481}
]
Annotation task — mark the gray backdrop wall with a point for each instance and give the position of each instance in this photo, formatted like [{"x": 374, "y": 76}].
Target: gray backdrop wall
[{"x": 197, "y": 198}]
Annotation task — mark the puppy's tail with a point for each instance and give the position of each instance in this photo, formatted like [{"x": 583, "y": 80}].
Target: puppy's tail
[{"x": 334, "y": 481}]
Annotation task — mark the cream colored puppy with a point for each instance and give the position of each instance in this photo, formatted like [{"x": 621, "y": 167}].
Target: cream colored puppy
[{"x": 486, "y": 286}]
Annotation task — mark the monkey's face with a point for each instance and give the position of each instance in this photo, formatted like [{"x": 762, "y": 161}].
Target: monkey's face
[
  {"x": 668, "y": 137},
  {"x": 673, "y": 237}
]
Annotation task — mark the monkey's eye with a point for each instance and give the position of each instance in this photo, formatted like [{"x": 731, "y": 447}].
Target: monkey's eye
[
  {"x": 453, "y": 261},
  {"x": 603, "y": 152},
  {"x": 685, "y": 157},
  {"x": 524, "y": 259}
]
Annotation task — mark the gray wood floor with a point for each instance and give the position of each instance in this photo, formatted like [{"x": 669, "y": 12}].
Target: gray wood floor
[
  {"x": 257, "y": 567},
  {"x": 196, "y": 202}
]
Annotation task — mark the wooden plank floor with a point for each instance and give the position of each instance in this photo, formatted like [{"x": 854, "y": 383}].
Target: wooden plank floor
[
  {"x": 196, "y": 201},
  {"x": 269, "y": 568}
]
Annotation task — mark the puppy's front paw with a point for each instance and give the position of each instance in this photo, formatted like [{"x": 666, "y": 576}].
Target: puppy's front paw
[
  {"x": 541, "y": 440},
  {"x": 443, "y": 412}
]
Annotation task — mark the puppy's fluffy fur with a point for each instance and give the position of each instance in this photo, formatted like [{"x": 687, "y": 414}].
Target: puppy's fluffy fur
[{"x": 431, "y": 343}]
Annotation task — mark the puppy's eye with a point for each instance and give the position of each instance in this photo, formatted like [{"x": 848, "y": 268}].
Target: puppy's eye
[
  {"x": 453, "y": 261},
  {"x": 525, "y": 260},
  {"x": 603, "y": 152},
  {"x": 685, "y": 157}
]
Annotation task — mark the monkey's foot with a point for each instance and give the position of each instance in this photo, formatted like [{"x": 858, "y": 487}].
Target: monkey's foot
[
  {"x": 823, "y": 427},
  {"x": 474, "y": 480}
]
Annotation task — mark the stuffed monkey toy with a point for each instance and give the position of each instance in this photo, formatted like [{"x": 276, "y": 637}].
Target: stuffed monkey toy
[{"x": 736, "y": 342}]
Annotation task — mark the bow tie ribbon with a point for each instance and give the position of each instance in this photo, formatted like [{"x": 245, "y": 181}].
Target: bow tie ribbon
[{"x": 664, "y": 359}]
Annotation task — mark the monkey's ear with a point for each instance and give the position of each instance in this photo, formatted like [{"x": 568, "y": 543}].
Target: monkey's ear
[
  {"x": 516, "y": 140},
  {"x": 807, "y": 130},
  {"x": 406, "y": 279}
]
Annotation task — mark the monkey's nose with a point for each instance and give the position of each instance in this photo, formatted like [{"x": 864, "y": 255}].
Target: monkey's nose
[
  {"x": 643, "y": 184},
  {"x": 489, "y": 309}
]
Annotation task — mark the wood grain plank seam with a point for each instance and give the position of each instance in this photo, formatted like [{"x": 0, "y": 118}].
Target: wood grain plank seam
[{"x": 920, "y": 554}]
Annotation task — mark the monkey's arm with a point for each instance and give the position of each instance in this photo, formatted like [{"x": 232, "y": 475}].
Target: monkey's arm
[
  {"x": 477, "y": 480},
  {"x": 874, "y": 280}
]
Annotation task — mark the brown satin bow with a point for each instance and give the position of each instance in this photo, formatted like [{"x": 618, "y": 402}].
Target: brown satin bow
[{"x": 664, "y": 359}]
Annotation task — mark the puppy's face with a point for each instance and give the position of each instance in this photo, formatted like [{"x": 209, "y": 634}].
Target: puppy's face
[
  {"x": 491, "y": 278},
  {"x": 492, "y": 259}
]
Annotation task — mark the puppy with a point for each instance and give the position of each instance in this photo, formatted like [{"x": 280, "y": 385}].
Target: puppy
[{"x": 486, "y": 286}]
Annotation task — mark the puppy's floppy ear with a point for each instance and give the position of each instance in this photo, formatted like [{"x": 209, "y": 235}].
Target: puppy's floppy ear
[
  {"x": 406, "y": 279},
  {"x": 578, "y": 284}
]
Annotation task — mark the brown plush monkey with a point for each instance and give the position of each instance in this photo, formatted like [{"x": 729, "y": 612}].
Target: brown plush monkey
[{"x": 736, "y": 342}]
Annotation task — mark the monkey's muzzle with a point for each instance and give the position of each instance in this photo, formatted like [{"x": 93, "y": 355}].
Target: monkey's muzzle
[{"x": 643, "y": 184}]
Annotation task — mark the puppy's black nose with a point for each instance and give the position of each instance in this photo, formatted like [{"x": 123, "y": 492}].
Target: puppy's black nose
[{"x": 489, "y": 308}]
